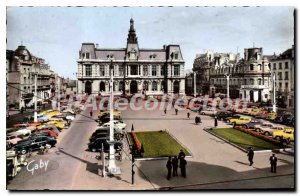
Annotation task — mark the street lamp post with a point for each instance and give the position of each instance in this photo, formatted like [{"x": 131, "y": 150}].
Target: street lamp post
[
  {"x": 274, "y": 91},
  {"x": 35, "y": 97},
  {"x": 227, "y": 77},
  {"x": 195, "y": 93},
  {"x": 112, "y": 168}
]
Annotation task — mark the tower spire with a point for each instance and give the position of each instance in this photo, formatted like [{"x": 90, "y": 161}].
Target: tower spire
[{"x": 131, "y": 34}]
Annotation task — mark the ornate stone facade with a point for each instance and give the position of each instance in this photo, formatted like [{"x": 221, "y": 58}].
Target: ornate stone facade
[{"x": 136, "y": 70}]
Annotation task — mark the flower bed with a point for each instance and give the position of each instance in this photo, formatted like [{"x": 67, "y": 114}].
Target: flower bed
[
  {"x": 257, "y": 134},
  {"x": 137, "y": 144}
]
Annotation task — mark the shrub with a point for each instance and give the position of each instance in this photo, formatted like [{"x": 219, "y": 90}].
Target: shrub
[{"x": 257, "y": 134}]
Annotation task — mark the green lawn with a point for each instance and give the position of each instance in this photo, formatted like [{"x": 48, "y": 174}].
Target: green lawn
[
  {"x": 158, "y": 144},
  {"x": 243, "y": 140}
]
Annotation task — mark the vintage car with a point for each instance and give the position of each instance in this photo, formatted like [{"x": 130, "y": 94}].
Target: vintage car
[
  {"x": 99, "y": 142},
  {"x": 209, "y": 111},
  {"x": 252, "y": 123},
  {"x": 269, "y": 130},
  {"x": 239, "y": 121},
  {"x": 287, "y": 133}
]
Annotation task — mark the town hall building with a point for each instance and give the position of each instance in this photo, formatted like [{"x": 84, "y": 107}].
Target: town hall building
[{"x": 135, "y": 70}]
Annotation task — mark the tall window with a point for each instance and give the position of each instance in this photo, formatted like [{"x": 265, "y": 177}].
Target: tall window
[
  {"x": 274, "y": 66},
  {"x": 286, "y": 75},
  {"x": 176, "y": 56},
  {"x": 259, "y": 81},
  {"x": 251, "y": 81},
  {"x": 162, "y": 70},
  {"x": 154, "y": 86},
  {"x": 133, "y": 70},
  {"x": 280, "y": 66},
  {"x": 145, "y": 70},
  {"x": 259, "y": 66},
  {"x": 88, "y": 70},
  {"x": 286, "y": 85},
  {"x": 153, "y": 70},
  {"x": 286, "y": 66},
  {"x": 279, "y": 75},
  {"x": 176, "y": 70},
  {"x": 280, "y": 86},
  {"x": 146, "y": 86},
  {"x": 251, "y": 67},
  {"x": 102, "y": 70},
  {"x": 121, "y": 86},
  {"x": 87, "y": 55},
  {"x": 121, "y": 70}
]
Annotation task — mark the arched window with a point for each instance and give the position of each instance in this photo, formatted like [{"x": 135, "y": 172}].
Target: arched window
[
  {"x": 121, "y": 86},
  {"x": 259, "y": 81},
  {"x": 146, "y": 86},
  {"x": 259, "y": 66},
  {"x": 154, "y": 86}
]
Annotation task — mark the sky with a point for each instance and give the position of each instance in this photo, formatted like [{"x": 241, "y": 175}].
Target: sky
[{"x": 56, "y": 33}]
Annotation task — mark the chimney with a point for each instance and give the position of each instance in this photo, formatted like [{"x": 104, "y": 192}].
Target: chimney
[{"x": 97, "y": 45}]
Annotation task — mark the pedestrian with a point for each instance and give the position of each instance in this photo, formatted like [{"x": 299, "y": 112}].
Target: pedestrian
[
  {"x": 181, "y": 154},
  {"x": 183, "y": 167},
  {"x": 196, "y": 120},
  {"x": 175, "y": 165},
  {"x": 200, "y": 109},
  {"x": 281, "y": 142},
  {"x": 169, "y": 167},
  {"x": 216, "y": 121},
  {"x": 176, "y": 111},
  {"x": 165, "y": 111},
  {"x": 22, "y": 110},
  {"x": 91, "y": 113},
  {"x": 188, "y": 115},
  {"x": 273, "y": 162},
  {"x": 250, "y": 155}
]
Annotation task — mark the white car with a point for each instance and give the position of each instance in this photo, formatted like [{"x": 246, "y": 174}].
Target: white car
[
  {"x": 118, "y": 125},
  {"x": 24, "y": 132},
  {"x": 209, "y": 111}
]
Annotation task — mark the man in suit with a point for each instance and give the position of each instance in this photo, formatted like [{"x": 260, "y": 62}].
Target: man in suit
[
  {"x": 250, "y": 155},
  {"x": 175, "y": 165},
  {"x": 273, "y": 162},
  {"x": 169, "y": 167},
  {"x": 183, "y": 167}
]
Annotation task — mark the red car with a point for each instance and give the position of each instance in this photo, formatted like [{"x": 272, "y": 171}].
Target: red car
[{"x": 51, "y": 133}]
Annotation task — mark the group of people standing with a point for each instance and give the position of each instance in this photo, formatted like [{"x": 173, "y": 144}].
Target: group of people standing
[
  {"x": 172, "y": 164},
  {"x": 272, "y": 159}
]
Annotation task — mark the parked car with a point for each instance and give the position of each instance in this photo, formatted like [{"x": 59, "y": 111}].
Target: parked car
[
  {"x": 209, "y": 111},
  {"x": 49, "y": 127},
  {"x": 264, "y": 125},
  {"x": 223, "y": 115},
  {"x": 60, "y": 124},
  {"x": 42, "y": 117},
  {"x": 287, "y": 133},
  {"x": 24, "y": 132},
  {"x": 118, "y": 125},
  {"x": 262, "y": 114},
  {"x": 252, "y": 123},
  {"x": 50, "y": 132},
  {"x": 239, "y": 121},
  {"x": 32, "y": 144},
  {"x": 13, "y": 138},
  {"x": 96, "y": 145},
  {"x": 269, "y": 130}
]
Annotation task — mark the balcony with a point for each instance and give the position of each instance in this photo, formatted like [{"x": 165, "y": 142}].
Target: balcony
[{"x": 253, "y": 86}]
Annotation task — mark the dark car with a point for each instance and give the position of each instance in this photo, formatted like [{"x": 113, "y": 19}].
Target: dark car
[
  {"x": 251, "y": 124},
  {"x": 289, "y": 120},
  {"x": 32, "y": 144},
  {"x": 96, "y": 145},
  {"x": 222, "y": 115},
  {"x": 40, "y": 134}
]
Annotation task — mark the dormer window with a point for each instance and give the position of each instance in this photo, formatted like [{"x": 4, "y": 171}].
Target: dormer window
[
  {"x": 176, "y": 56},
  {"x": 152, "y": 56}
]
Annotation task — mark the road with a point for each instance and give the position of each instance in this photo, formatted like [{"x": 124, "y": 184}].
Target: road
[{"x": 64, "y": 159}]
